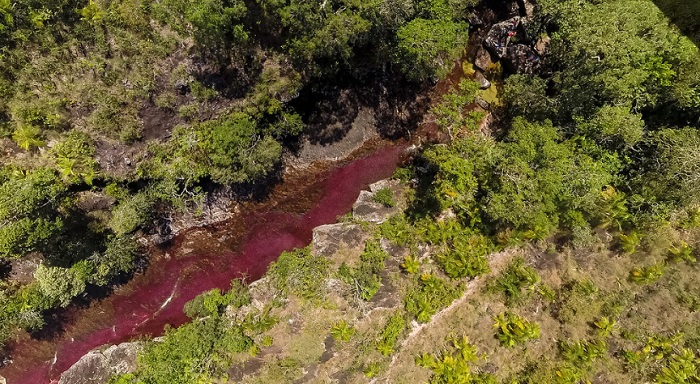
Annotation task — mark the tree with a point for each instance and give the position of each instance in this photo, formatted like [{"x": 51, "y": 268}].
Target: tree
[
  {"x": 614, "y": 126},
  {"x": 118, "y": 257},
  {"x": 28, "y": 211},
  {"x": 61, "y": 285},
  {"x": 678, "y": 154},
  {"x": 213, "y": 23},
  {"x": 234, "y": 150},
  {"x": 427, "y": 47},
  {"x": 74, "y": 158},
  {"x": 623, "y": 53}
]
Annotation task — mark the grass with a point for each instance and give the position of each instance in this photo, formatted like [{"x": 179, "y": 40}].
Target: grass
[{"x": 385, "y": 197}]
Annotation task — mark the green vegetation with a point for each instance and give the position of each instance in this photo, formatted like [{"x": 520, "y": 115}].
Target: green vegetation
[
  {"x": 428, "y": 295},
  {"x": 518, "y": 283},
  {"x": 364, "y": 279},
  {"x": 384, "y": 197},
  {"x": 391, "y": 333},
  {"x": 342, "y": 331},
  {"x": 114, "y": 114},
  {"x": 569, "y": 218},
  {"x": 512, "y": 329},
  {"x": 454, "y": 365},
  {"x": 300, "y": 273},
  {"x": 200, "y": 350}
]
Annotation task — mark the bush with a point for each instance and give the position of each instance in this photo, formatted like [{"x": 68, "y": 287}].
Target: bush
[
  {"x": 194, "y": 352},
  {"x": 399, "y": 231},
  {"x": 681, "y": 252},
  {"x": 455, "y": 365},
  {"x": 647, "y": 275},
  {"x": 119, "y": 257},
  {"x": 428, "y": 295},
  {"x": 364, "y": 279},
  {"x": 466, "y": 257},
  {"x": 131, "y": 213},
  {"x": 384, "y": 197},
  {"x": 583, "y": 353},
  {"x": 513, "y": 329},
  {"x": 517, "y": 283},
  {"x": 629, "y": 242},
  {"x": 300, "y": 273},
  {"x": 390, "y": 334},
  {"x": 214, "y": 302},
  {"x": 342, "y": 331},
  {"x": 74, "y": 158},
  {"x": 410, "y": 265},
  {"x": 427, "y": 48}
]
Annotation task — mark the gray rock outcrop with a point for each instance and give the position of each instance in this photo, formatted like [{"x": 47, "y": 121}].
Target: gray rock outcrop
[
  {"x": 328, "y": 239},
  {"x": 366, "y": 208},
  {"x": 98, "y": 365},
  {"x": 508, "y": 41}
]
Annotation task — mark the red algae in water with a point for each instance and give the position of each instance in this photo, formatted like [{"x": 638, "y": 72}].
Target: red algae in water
[{"x": 157, "y": 297}]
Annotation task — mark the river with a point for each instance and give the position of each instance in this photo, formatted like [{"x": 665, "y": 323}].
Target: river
[{"x": 200, "y": 260}]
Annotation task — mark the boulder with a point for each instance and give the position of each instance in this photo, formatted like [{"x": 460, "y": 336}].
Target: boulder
[
  {"x": 98, "y": 365},
  {"x": 483, "y": 59},
  {"x": 499, "y": 36},
  {"x": 328, "y": 239},
  {"x": 542, "y": 45},
  {"x": 366, "y": 208},
  {"x": 520, "y": 58},
  {"x": 482, "y": 80},
  {"x": 527, "y": 7}
]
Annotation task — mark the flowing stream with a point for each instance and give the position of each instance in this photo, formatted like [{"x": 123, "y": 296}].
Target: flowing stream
[{"x": 200, "y": 260}]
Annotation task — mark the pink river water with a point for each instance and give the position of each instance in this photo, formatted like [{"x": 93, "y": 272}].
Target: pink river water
[{"x": 156, "y": 298}]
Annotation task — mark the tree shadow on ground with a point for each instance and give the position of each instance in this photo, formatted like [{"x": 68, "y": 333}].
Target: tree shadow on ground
[
  {"x": 330, "y": 109},
  {"x": 685, "y": 15}
]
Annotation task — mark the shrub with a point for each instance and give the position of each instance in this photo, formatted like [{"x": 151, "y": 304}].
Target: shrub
[
  {"x": 583, "y": 353},
  {"x": 454, "y": 365},
  {"x": 605, "y": 326},
  {"x": 629, "y": 242},
  {"x": 399, "y": 231},
  {"x": 429, "y": 295},
  {"x": 194, "y": 352},
  {"x": 27, "y": 136},
  {"x": 384, "y": 197},
  {"x": 214, "y": 302},
  {"x": 342, "y": 331},
  {"x": 516, "y": 283},
  {"x": 681, "y": 252},
  {"x": 657, "y": 348},
  {"x": 363, "y": 282},
  {"x": 300, "y": 273},
  {"x": 410, "y": 265},
  {"x": 466, "y": 257},
  {"x": 682, "y": 367},
  {"x": 513, "y": 329},
  {"x": 74, "y": 158},
  {"x": 391, "y": 333},
  {"x": 202, "y": 92},
  {"x": 647, "y": 275},
  {"x": 131, "y": 213},
  {"x": 372, "y": 369},
  {"x": 364, "y": 279}
]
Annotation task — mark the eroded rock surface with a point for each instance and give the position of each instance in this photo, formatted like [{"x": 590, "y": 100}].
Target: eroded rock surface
[
  {"x": 508, "y": 41},
  {"x": 98, "y": 365},
  {"x": 328, "y": 239},
  {"x": 366, "y": 208}
]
